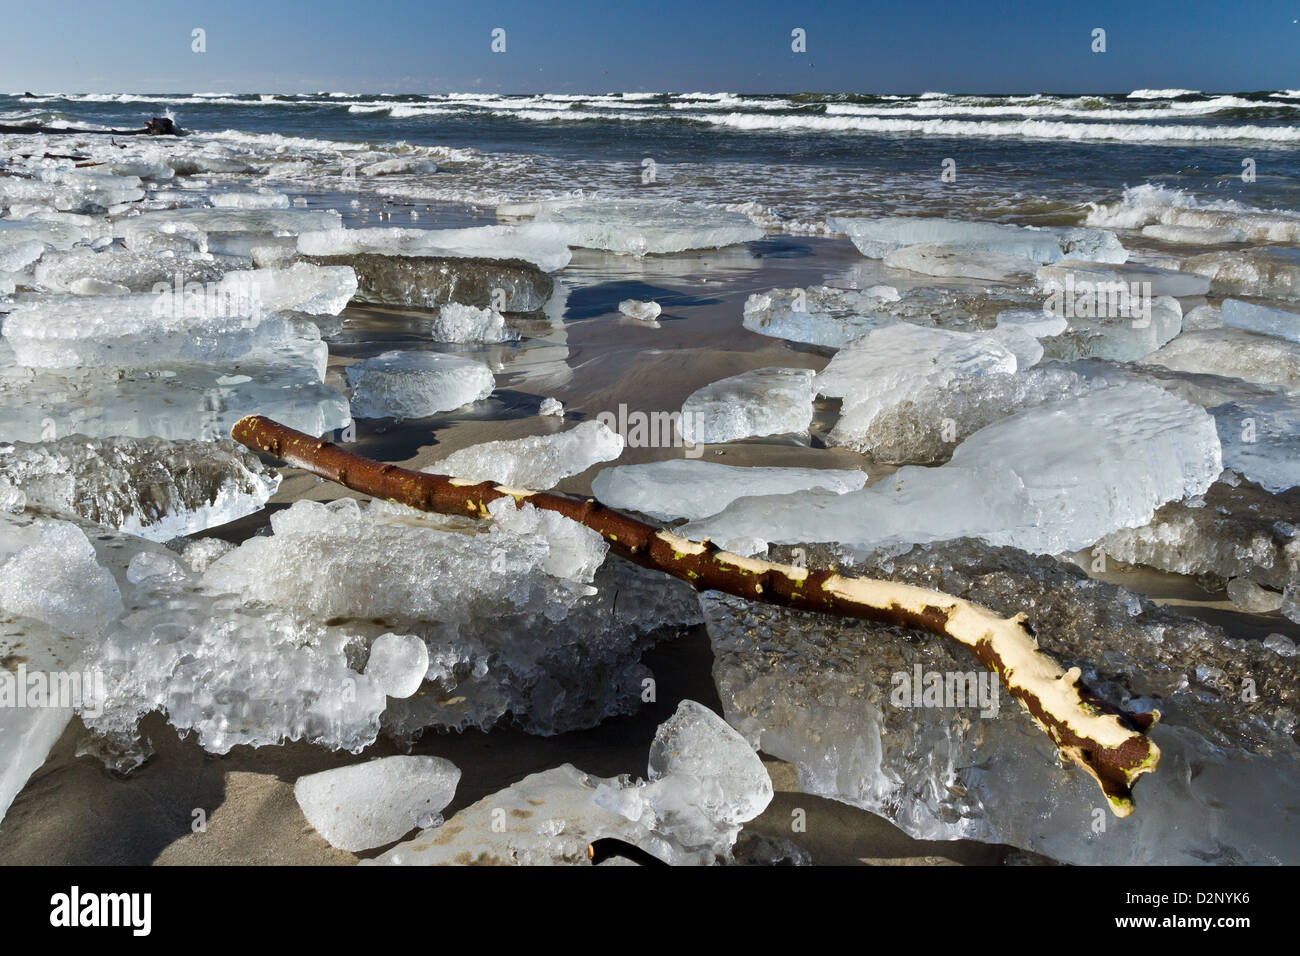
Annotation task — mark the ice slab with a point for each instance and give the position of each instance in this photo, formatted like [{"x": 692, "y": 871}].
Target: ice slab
[
  {"x": 686, "y": 488},
  {"x": 638, "y": 227},
  {"x": 1252, "y": 317},
  {"x": 814, "y": 691},
  {"x": 168, "y": 400},
  {"x": 1248, "y": 272},
  {"x": 1264, "y": 359},
  {"x": 150, "y": 487},
  {"x": 428, "y": 282},
  {"x": 1050, "y": 478},
  {"x": 401, "y": 384},
  {"x": 1122, "y": 334},
  {"x": 1072, "y": 274},
  {"x": 877, "y": 238},
  {"x": 537, "y": 462},
  {"x": 765, "y": 401},
  {"x": 545, "y": 246},
  {"x": 369, "y": 804},
  {"x": 947, "y": 261}
]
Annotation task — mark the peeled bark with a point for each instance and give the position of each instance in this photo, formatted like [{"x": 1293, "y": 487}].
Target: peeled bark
[{"x": 1108, "y": 743}]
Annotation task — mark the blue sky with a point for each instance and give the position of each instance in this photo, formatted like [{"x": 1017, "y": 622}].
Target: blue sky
[{"x": 582, "y": 46}]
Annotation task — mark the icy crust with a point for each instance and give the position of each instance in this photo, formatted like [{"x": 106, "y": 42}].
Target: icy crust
[
  {"x": 1054, "y": 477},
  {"x": 1237, "y": 531},
  {"x": 428, "y": 282},
  {"x": 704, "y": 783},
  {"x": 685, "y": 488},
  {"x": 401, "y": 385},
  {"x": 282, "y": 637},
  {"x": 151, "y": 487},
  {"x": 545, "y": 246},
  {"x": 1263, "y": 359},
  {"x": 824, "y": 694},
  {"x": 167, "y": 400},
  {"x": 638, "y": 227},
  {"x": 369, "y": 804},
  {"x": 878, "y": 238},
  {"x": 765, "y": 401},
  {"x": 537, "y": 462},
  {"x": 830, "y": 317}
]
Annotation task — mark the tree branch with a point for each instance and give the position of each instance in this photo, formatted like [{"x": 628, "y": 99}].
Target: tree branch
[{"x": 1110, "y": 744}]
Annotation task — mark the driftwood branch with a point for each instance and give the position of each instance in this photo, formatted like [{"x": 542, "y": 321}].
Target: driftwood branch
[{"x": 1110, "y": 744}]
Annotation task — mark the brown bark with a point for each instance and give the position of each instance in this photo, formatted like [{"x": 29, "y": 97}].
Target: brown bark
[{"x": 1108, "y": 743}]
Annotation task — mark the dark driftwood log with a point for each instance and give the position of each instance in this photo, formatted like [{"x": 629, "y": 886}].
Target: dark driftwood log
[
  {"x": 1109, "y": 744},
  {"x": 158, "y": 126}
]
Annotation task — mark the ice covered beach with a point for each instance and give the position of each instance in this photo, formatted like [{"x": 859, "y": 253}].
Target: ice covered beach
[{"x": 1088, "y": 415}]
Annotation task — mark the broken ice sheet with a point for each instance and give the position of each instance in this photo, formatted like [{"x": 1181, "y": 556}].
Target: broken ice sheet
[
  {"x": 1253, "y": 317},
  {"x": 151, "y": 487},
  {"x": 457, "y": 323},
  {"x": 1076, "y": 275},
  {"x": 406, "y": 384},
  {"x": 822, "y": 693},
  {"x": 1264, "y": 359},
  {"x": 169, "y": 400},
  {"x": 765, "y": 401},
  {"x": 877, "y": 238},
  {"x": 638, "y": 227},
  {"x": 537, "y": 462},
  {"x": 543, "y": 245},
  {"x": 430, "y": 281},
  {"x": 705, "y": 782},
  {"x": 686, "y": 488},
  {"x": 1050, "y": 478},
  {"x": 369, "y": 804},
  {"x": 960, "y": 263}
]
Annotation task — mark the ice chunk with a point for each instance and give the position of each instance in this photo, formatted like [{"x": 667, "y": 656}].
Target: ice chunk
[
  {"x": 637, "y": 227},
  {"x": 168, "y": 400},
  {"x": 457, "y": 323},
  {"x": 641, "y": 311},
  {"x": 552, "y": 407},
  {"x": 16, "y": 257},
  {"x": 543, "y": 245},
  {"x": 262, "y": 199},
  {"x": 537, "y": 462},
  {"x": 1040, "y": 323},
  {"x": 877, "y": 238},
  {"x": 575, "y": 552},
  {"x": 1121, "y": 334},
  {"x": 1239, "y": 531},
  {"x": 819, "y": 315},
  {"x": 205, "y": 222},
  {"x": 685, "y": 488},
  {"x": 1248, "y": 272},
  {"x": 369, "y": 804},
  {"x": 55, "y": 578},
  {"x": 416, "y": 384},
  {"x": 1051, "y": 478},
  {"x": 705, "y": 783},
  {"x": 903, "y": 363},
  {"x": 1194, "y": 235},
  {"x": 958, "y": 262},
  {"x": 201, "y": 552},
  {"x": 60, "y": 332},
  {"x": 1262, "y": 319},
  {"x": 428, "y": 282},
  {"x": 1263, "y": 359},
  {"x": 766, "y": 401},
  {"x": 398, "y": 662},
  {"x": 60, "y": 235},
  {"x": 1074, "y": 276},
  {"x": 842, "y": 707},
  {"x": 145, "y": 486}
]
